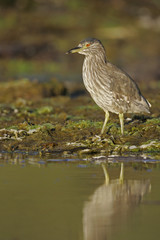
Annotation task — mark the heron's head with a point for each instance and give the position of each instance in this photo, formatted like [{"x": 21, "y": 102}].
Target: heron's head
[{"x": 88, "y": 46}]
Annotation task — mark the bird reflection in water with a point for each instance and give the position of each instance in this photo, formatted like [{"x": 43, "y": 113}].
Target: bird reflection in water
[{"x": 110, "y": 203}]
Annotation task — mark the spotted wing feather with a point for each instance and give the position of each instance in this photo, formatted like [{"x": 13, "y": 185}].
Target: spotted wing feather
[{"x": 126, "y": 94}]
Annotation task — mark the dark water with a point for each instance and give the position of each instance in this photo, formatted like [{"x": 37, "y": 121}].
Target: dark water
[{"x": 72, "y": 200}]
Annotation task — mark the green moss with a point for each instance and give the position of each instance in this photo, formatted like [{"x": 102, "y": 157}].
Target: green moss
[
  {"x": 6, "y": 119},
  {"x": 153, "y": 121},
  {"x": 22, "y": 67},
  {"x": 72, "y": 117},
  {"x": 13, "y": 127},
  {"x": 81, "y": 124},
  {"x": 54, "y": 124},
  {"x": 44, "y": 110}
]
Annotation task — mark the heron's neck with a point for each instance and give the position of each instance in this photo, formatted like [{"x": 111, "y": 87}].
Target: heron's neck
[
  {"x": 98, "y": 58},
  {"x": 92, "y": 64}
]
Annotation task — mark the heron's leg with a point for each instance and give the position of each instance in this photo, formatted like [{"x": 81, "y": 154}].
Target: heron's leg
[
  {"x": 105, "y": 122},
  {"x": 105, "y": 174},
  {"x": 121, "y": 118},
  {"x": 121, "y": 176}
]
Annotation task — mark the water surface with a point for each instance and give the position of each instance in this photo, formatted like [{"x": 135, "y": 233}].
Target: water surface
[{"x": 71, "y": 199}]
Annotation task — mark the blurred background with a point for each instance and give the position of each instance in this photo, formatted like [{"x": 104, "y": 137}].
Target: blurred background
[{"x": 35, "y": 34}]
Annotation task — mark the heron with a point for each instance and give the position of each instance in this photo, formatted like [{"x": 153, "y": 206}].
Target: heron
[{"x": 112, "y": 89}]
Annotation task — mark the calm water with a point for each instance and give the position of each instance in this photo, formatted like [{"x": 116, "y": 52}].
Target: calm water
[{"x": 72, "y": 200}]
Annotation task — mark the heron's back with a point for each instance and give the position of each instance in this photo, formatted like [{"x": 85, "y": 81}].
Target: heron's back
[{"x": 111, "y": 88}]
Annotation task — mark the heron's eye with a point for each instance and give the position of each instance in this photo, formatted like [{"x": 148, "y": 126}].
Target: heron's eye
[{"x": 88, "y": 44}]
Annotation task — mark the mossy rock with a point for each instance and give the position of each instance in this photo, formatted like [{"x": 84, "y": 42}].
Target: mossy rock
[{"x": 30, "y": 90}]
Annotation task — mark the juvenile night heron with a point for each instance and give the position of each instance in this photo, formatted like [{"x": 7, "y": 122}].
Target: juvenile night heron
[{"x": 112, "y": 89}]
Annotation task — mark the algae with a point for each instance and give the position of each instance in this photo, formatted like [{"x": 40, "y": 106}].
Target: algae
[{"x": 51, "y": 124}]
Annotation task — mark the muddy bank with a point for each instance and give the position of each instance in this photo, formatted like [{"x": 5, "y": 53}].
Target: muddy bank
[{"x": 58, "y": 123}]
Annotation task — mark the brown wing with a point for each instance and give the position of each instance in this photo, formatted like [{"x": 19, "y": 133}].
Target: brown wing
[{"x": 125, "y": 91}]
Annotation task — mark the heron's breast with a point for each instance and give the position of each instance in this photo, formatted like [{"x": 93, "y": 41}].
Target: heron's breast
[{"x": 97, "y": 85}]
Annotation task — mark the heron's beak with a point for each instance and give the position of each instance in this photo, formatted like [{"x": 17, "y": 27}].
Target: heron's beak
[{"x": 74, "y": 50}]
